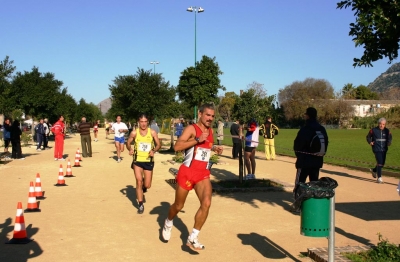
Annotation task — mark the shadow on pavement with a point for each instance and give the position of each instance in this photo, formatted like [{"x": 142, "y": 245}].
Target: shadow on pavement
[
  {"x": 373, "y": 180},
  {"x": 283, "y": 199},
  {"x": 349, "y": 235},
  {"x": 18, "y": 252},
  {"x": 265, "y": 246},
  {"x": 369, "y": 211},
  {"x": 130, "y": 193},
  {"x": 162, "y": 212}
]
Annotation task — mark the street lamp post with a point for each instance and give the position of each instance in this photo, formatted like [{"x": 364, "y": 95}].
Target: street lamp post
[
  {"x": 195, "y": 10},
  {"x": 154, "y": 63}
]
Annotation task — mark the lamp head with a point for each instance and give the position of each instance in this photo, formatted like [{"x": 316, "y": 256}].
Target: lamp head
[
  {"x": 190, "y": 9},
  {"x": 200, "y": 10}
]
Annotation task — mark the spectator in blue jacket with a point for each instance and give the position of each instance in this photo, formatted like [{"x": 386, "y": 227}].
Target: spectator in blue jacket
[
  {"x": 179, "y": 128},
  {"x": 379, "y": 138},
  {"x": 7, "y": 134}
]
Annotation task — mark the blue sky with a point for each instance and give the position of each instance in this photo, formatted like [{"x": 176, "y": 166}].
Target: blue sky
[{"x": 87, "y": 43}]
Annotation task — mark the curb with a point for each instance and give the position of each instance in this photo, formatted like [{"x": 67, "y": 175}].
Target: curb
[{"x": 321, "y": 254}]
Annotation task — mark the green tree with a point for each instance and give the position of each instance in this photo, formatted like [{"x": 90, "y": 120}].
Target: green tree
[
  {"x": 296, "y": 97},
  {"x": 376, "y": 29},
  {"x": 6, "y": 72},
  {"x": 226, "y": 105},
  {"x": 349, "y": 91},
  {"x": 254, "y": 103},
  {"x": 144, "y": 92},
  {"x": 201, "y": 84},
  {"x": 35, "y": 92},
  {"x": 66, "y": 106},
  {"x": 88, "y": 110},
  {"x": 364, "y": 93}
]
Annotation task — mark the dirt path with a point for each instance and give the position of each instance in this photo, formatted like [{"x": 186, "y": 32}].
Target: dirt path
[{"x": 95, "y": 217}]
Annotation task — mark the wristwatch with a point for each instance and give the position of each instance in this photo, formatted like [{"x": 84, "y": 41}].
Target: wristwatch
[{"x": 197, "y": 139}]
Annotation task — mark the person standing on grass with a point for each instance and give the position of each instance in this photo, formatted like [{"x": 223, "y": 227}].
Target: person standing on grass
[
  {"x": 251, "y": 143},
  {"x": 379, "y": 139},
  {"x": 86, "y": 140},
  {"x": 119, "y": 129},
  {"x": 197, "y": 142},
  {"x": 236, "y": 133},
  {"x": 310, "y": 146},
  {"x": 58, "y": 129},
  {"x": 220, "y": 132},
  {"x": 146, "y": 144},
  {"x": 269, "y": 131}
]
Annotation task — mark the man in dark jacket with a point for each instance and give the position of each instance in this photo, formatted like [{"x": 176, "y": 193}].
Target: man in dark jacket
[
  {"x": 236, "y": 132},
  {"x": 40, "y": 135},
  {"x": 310, "y": 147},
  {"x": 379, "y": 138},
  {"x": 86, "y": 140}
]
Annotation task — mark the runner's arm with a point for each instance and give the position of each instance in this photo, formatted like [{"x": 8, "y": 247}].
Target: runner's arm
[
  {"x": 187, "y": 139},
  {"x": 156, "y": 141},
  {"x": 131, "y": 137}
]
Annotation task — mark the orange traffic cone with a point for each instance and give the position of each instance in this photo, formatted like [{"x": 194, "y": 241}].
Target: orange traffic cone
[
  {"x": 33, "y": 205},
  {"x": 19, "y": 236},
  {"x": 78, "y": 155},
  {"x": 77, "y": 164},
  {"x": 38, "y": 188},
  {"x": 69, "y": 170},
  {"x": 61, "y": 181}
]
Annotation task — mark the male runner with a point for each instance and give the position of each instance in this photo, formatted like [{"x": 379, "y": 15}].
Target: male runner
[
  {"x": 197, "y": 141},
  {"x": 96, "y": 130},
  {"x": 146, "y": 143},
  {"x": 119, "y": 136}
]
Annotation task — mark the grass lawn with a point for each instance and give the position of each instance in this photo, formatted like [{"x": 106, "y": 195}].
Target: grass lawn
[{"x": 350, "y": 145}]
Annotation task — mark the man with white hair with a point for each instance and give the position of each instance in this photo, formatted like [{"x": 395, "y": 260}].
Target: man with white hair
[{"x": 379, "y": 138}]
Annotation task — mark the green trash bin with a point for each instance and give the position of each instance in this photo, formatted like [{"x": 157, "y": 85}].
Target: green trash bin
[{"x": 315, "y": 217}]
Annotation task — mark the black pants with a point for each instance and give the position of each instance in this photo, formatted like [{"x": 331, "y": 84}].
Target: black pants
[
  {"x": 40, "y": 140},
  {"x": 237, "y": 147},
  {"x": 46, "y": 141},
  {"x": 303, "y": 173},
  {"x": 380, "y": 162},
  {"x": 16, "y": 149}
]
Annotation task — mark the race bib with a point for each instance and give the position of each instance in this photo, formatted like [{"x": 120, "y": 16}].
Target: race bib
[
  {"x": 144, "y": 147},
  {"x": 203, "y": 154}
]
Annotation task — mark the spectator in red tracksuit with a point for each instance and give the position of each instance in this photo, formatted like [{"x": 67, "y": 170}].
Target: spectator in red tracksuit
[{"x": 58, "y": 130}]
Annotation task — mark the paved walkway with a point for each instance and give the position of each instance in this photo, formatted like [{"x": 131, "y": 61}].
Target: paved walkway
[{"x": 95, "y": 217}]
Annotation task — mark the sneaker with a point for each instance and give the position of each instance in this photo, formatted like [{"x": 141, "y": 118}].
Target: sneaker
[
  {"x": 194, "y": 244},
  {"x": 119, "y": 160},
  {"x": 253, "y": 176},
  {"x": 247, "y": 177},
  {"x": 372, "y": 172},
  {"x": 23, "y": 158},
  {"x": 141, "y": 209},
  {"x": 379, "y": 180},
  {"x": 166, "y": 232},
  {"x": 61, "y": 159},
  {"x": 55, "y": 159},
  {"x": 38, "y": 149}
]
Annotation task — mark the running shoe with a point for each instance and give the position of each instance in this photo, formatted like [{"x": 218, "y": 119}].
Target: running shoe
[
  {"x": 38, "y": 149},
  {"x": 61, "y": 159},
  {"x": 119, "y": 160},
  {"x": 166, "y": 232},
  {"x": 194, "y": 244},
  {"x": 253, "y": 176},
  {"x": 372, "y": 172},
  {"x": 141, "y": 209},
  {"x": 55, "y": 159},
  {"x": 379, "y": 180}
]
